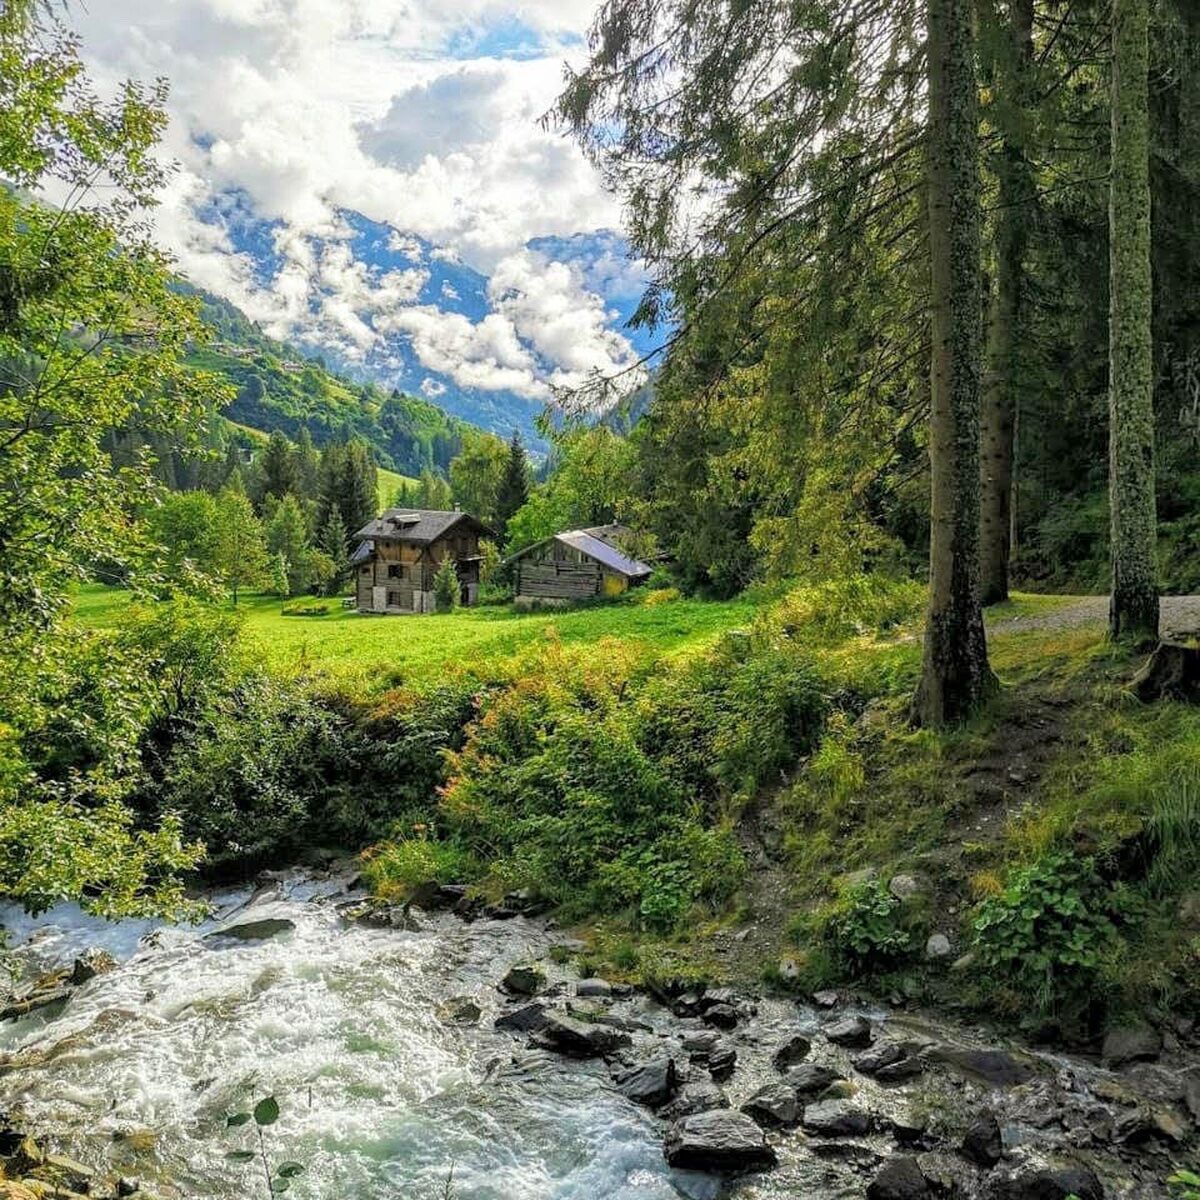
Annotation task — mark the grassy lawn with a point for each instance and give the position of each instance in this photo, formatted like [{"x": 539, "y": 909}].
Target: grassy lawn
[
  {"x": 389, "y": 481},
  {"x": 419, "y": 648}
]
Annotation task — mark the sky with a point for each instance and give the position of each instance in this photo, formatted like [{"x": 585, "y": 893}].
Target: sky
[{"x": 423, "y": 114}]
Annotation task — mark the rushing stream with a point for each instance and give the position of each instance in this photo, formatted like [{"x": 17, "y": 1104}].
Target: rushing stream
[
  {"x": 379, "y": 1097},
  {"x": 382, "y": 1094}
]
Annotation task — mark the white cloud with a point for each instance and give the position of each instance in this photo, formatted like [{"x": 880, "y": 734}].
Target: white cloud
[{"x": 420, "y": 114}]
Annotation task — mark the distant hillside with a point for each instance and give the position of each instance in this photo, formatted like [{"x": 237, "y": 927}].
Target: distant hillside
[{"x": 278, "y": 388}]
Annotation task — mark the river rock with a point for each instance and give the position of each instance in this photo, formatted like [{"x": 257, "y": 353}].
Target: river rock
[
  {"x": 937, "y": 947},
  {"x": 711, "y": 997},
  {"x": 853, "y": 1032},
  {"x": 720, "y": 1016},
  {"x": 127, "y": 1186},
  {"x": 904, "y": 887},
  {"x": 652, "y": 1083},
  {"x": 460, "y": 1010},
  {"x": 1048, "y": 1183},
  {"x": 579, "y": 1039},
  {"x": 879, "y": 1056},
  {"x": 1134, "y": 1043},
  {"x": 809, "y": 1079},
  {"x": 699, "y": 1096},
  {"x": 825, "y": 999},
  {"x": 701, "y": 1044},
  {"x": 900, "y": 1179},
  {"x": 49, "y": 989},
  {"x": 255, "y": 924},
  {"x": 909, "y": 1126},
  {"x": 794, "y": 1050},
  {"x": 91, "y": 963},
  {"x": 983, "y": 1142},
  {"x": 594, "y": 989},
  {"x": 835, "y": 1118},
  {"x": 524, "y": 979},
  {"x": 908, "y": 1067},
  {"x": 687, "y": 1004},
  {"x": 718, "y": 1140},
  {"x": 722, "y": 1061},
  {"x": 999, "y": 1068},
  {"x": 527, "y": 1019},
  {"x": 773, "y": 1104}
]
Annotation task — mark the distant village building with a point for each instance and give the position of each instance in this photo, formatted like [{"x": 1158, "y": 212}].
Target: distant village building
[
  {"x": 577, "y": 564},
  {"x": 399, "y": 554}
]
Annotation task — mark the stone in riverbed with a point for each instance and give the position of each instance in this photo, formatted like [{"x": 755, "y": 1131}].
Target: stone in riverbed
[
  {"x": 878, "y": 1057},
  {"x": 526, "y": 1019},
  {"x": 773, "y": 1104},
  {"x": 721, "y": 1062},
  {"x": 91, "y": 963},
  {"x": 701, "y": 1044},
  {"x": 255, "y": 925},
  {"x": 720, "y": 1016},
  {"x": 809, "y": 1079},
  {"x": 577, "y": 1038},
  {"x": 460, "y": 1010},
  {"x": 906, "y": 1068},
  {"x": 593, "y": 988},
  {"x": 794, "y": 1050},
  {"x": 854, "y": 1032},
  {"x": 909, "y": 1127},
  {"x": 652, "y": 1083},
  {"x": 983, "y": 1142},
  {"x": 1137, "y": 1043},
  {"x": 835, "y": 1118},
  {"x": 1049, "y": 1183},
  {"x": 524, "y": 979},
  {"x": 996, "y": 1067},
  {"x": 697, "y": 1097},
  {"x": 900, "y": 1179},
  {"x": 718, "y": 1140}
]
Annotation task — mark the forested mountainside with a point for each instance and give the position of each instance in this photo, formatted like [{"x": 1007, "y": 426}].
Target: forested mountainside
[{"x": 279, "y": 389}]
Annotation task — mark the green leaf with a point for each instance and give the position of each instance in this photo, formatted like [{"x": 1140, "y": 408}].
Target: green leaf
[
  {"x": 240, "y": 1155},
  {"x": 289, "y": 1170},
  {"x": 266, "y": 1112},
  {"x": 235, "y": 1119}
]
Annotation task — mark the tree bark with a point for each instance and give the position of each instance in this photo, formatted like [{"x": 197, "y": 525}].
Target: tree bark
[
  {"x": 955, "y": 675},
  {"x": 1002, "y": 381},
  {"x": 1133, "y": 612}
]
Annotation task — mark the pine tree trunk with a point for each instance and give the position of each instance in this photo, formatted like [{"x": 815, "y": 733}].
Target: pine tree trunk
[
  {"x": 1133, "y": 612},
  {"x": 1002, "y": 381},
  {"x": 955, "y": 675}
]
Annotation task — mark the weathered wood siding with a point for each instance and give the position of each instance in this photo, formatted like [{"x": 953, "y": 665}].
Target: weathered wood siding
[
  {"x": 559, "y": 572},
  {"x": 405, "y": 570}
]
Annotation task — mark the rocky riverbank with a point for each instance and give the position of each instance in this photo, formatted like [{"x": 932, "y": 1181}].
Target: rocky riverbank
[{"x": 401, "y": 1039}]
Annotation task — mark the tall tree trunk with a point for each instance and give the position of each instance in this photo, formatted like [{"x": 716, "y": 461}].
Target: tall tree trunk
[
  {"x": 955, "y": 675},
  {"x": 1002, "y": 380},
  {"x": 1133, "y": 612}
]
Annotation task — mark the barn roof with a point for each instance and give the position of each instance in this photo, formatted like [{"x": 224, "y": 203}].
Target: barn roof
[
  {"x": 415, "y": 525},
  {"x": 598, "y": 543}
]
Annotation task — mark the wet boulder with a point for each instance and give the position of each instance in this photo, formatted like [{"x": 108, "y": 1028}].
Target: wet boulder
[
  {"x": 899, "y": 1179},
  {"x": 773, "y": 1104},
  {"x": 527, "y": 1019},
  {"x": 836, "y": 1118},
  {"x": 524, "y": 979},
  {"x": 885, "y": 1054},
  {"x": 699, "y": 1096},
  {"x": 809, "y": 1079},
  {"x": 983, "y": 1143},
  {"x": 91, "y": 963},
  {"x": 578, "y": 1038},
  {"x": 718, "y": 1140},
  {"x": 1048, "y": 1183},
  {"x": 1135, "y": 1043},
  {"x": 594, "y": 989},
  {"x": 852, "y": 1032},
  {"x": 794, "y": 1050},
  {"x": 460, "y": 1010},
  {"x": 722, "y": 1061},
  {"x": 652, "y": 1083},
  {"x": 255, "y": 924},
  {"x": 999, "y": 1068},
  {"x": 720, "y": 1016}
]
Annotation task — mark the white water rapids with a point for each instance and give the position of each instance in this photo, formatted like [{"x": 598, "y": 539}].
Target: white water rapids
[{"x": 379, "y": 1098}]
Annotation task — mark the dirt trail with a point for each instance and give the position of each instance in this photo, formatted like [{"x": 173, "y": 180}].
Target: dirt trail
[{"x": 1180, "y": 615}]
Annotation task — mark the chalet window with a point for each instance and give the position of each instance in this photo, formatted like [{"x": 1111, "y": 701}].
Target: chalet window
[
  {"x": 395, "y": 571},
  {"x": 393, "y": 599},
  {"x": 364, "y": 570}
]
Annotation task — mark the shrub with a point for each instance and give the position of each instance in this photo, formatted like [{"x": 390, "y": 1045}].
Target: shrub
[
  {"x": 1049, "y": 932},
  {"x": 402, "y": 864},
  {"x": 446, "y": 586},
  {"x": 307, "y": 608},
  {"x": 847, "y": 607},
  {"x": 868, "y": 928}
]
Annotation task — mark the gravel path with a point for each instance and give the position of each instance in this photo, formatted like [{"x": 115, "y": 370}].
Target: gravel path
[{"x": 1180, "y": 615}]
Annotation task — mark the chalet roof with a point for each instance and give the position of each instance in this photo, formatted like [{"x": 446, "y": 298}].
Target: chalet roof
[
  {"x": 362, "y": 552},
  {"x": 598, "y": 542},
  {"x": 418, "y": 526}
]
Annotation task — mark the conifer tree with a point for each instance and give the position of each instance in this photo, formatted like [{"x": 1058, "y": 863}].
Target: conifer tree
[
  {"x": 287, "y": 536},
  {"x": 278, "y": 472},
  {"x": 513, "y": 491},
  {"x": 955, "y": 675},
  {"x": 446, "y": 586},
  {"x": 1133, "y": 610}
]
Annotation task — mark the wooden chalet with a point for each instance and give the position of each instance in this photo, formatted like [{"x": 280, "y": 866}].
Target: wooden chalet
[
  {"x": 576, "y": 565},
  {"x": 399, "y": 554}
]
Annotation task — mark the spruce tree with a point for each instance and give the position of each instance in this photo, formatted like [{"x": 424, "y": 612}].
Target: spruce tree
[
  {"x": 955, "y": 675},
  {"x": 1133, "y": 610},
  {"x": 446, "y": 586},
  {"x": 287, "y": 535},
  {"x": 513, "y": 491},
  {"x": 278, "y": 472}
]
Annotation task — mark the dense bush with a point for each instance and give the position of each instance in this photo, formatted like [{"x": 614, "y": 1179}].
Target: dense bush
[
  {"x": 1048, "y": 934},
  {"x": 867, "y": 929}
]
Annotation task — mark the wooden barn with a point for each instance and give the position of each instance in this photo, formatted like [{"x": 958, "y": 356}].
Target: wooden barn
[
  {"x": 399, "y": 554},
  {"x": 576, "y": 565}
]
